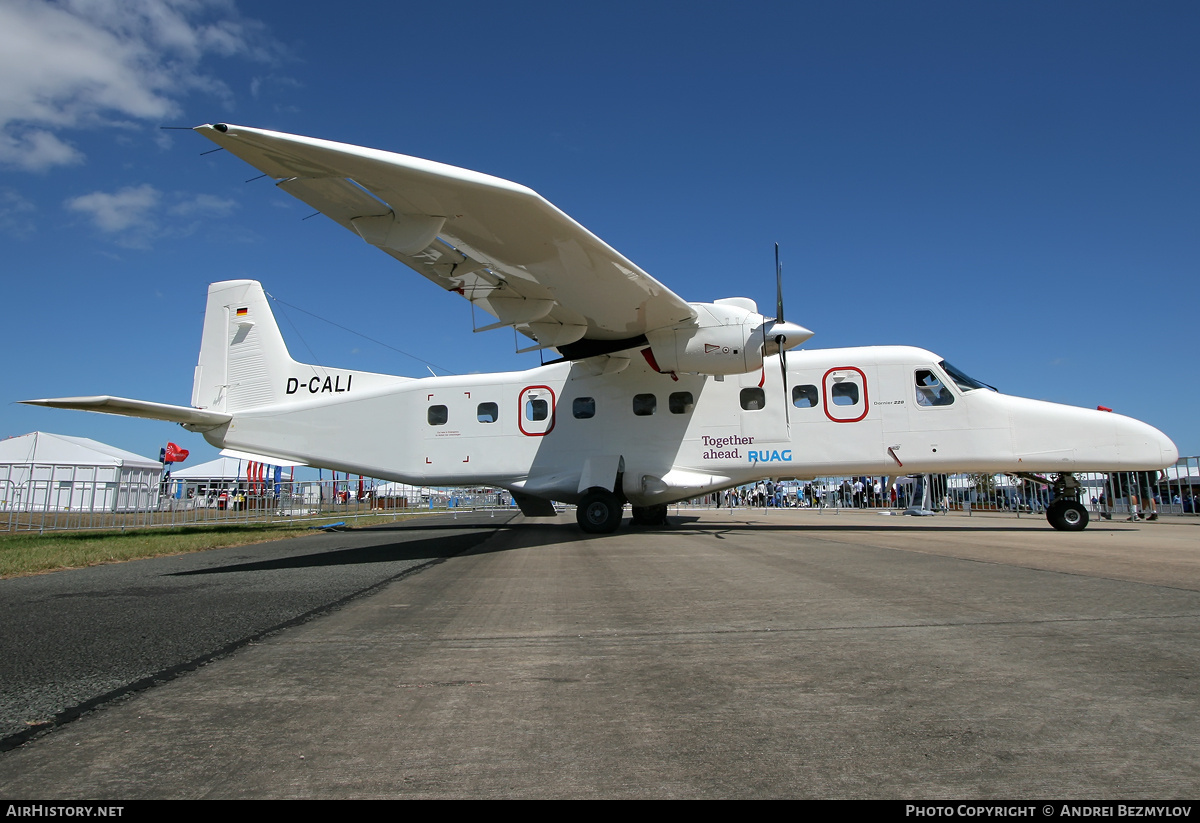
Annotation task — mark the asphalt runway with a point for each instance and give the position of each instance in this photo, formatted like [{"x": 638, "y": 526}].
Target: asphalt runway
[
  {"x": 76, "y": 639},
  {"x": 758, "y": 654}
]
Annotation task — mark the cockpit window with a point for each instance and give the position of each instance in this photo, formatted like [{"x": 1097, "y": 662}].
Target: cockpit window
[
  {"x": 930, "y": 391},
  {"x": 963, "y": 381}
]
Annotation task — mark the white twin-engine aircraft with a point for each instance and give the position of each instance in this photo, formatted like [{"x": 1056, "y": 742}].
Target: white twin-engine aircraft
[{"x": 652, "y": 400}]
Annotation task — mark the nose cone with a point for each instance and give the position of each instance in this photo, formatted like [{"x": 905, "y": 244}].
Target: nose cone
[
  {"x": 1074, "y": 439},
  {"x": 792, "y": 335},
  {"x": 1140, "y": 445},
  {"x": 1170, "y": 452}
]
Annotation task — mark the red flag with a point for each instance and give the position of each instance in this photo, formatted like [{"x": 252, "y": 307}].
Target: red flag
[{"x": 175, "y": 454}]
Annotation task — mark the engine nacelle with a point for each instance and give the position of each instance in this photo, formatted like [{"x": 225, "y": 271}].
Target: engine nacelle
[{"x": 725, "y": 338}]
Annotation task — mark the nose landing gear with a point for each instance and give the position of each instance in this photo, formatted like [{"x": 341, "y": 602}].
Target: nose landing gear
[
  {"x": 1067, "y": 515},
  {"x": 1065, "y": 512}
]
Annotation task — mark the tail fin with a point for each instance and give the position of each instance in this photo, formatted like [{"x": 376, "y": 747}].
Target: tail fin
[{"x": 242, "y": 354}]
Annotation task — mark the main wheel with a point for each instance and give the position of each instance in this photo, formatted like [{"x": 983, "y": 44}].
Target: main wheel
[
  {"x": 650, "y": 515},
  {"x": 599, "y": 512},
  {"x": 1067, "y": 515}
]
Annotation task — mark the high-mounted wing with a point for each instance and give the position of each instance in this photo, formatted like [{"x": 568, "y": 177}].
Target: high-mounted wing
[{"x": 501, "y": 245}]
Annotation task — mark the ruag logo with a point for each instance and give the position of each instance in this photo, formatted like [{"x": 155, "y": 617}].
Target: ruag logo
[{"x": 784, "y": 456}]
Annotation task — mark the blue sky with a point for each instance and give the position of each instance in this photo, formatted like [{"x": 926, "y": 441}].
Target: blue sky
[{"x": 1015, "y": 186}]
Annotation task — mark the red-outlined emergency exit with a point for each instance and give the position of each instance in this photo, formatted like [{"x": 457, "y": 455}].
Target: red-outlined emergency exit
[
  {"x": 845, "y": 394},
  {"x": 535, "y": 411}
]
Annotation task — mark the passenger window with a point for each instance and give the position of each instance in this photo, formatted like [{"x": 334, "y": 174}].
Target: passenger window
[
  {"x": 753, "y": 399},
  {"x": 680, "y": 402},
  {"x": 438, "y": 415},
  {"x": 930, "y": 391},
  {"x": 487, "y": 412},
  {"x": 536, "y": 409},
  {"x": 804, "y": 397},
  {"x": 644, "y": 405},
  {"x": 844, "y": 394},
  {"x": 584, "y": 407}
]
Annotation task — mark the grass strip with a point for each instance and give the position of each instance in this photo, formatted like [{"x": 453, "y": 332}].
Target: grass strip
[{"x": 23, "y": 553}]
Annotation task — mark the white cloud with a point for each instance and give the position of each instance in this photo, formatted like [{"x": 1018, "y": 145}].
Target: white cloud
[
  {"x": 204, "y": 204},
  {"x": 136, "y": 215},
  {"x": 129, "y": 215},
  {"x": 16, "y": 214},
  {"x": 78, "y": 63},
  {"x": 35, "y": 149}
]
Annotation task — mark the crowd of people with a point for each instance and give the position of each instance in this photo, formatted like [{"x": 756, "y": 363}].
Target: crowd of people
[{"x": 857, "y": 492}]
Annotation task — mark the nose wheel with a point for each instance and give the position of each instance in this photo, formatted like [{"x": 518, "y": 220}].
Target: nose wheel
[
  {"x": 1067, "y": 515},
  {"x": 1065, "y": 512}
]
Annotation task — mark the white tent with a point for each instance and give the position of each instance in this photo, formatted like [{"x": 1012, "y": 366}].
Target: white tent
[
  {"x": 40, "y": 471},
  {"x": 223, "y": 468},
  {"x": 203, "y": 484}
]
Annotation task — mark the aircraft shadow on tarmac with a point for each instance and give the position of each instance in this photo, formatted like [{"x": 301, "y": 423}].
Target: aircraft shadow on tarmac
[
  {"x": 908, "y": 524},
  {"x": 424, "y": 549},
  {"x": 450, "y": 539}
]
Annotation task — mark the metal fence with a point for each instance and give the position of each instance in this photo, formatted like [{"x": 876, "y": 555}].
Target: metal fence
[
  {"x": 67, "y": 498},
  {"x": 56, "y": 499},
  {"x": 1174, "y": 491}
]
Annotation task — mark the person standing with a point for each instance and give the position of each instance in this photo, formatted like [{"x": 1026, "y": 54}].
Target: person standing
[{"x": 1143, "y": 493}]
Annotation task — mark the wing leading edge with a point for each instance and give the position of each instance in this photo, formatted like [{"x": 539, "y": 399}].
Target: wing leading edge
[{"x": 499, "y": 244}]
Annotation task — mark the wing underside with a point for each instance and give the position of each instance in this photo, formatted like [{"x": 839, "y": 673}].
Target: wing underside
[{"x": 499, "y": 244}]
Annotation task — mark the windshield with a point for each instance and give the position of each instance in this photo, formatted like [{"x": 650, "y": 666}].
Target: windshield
[{"x": 962, "y": 380}]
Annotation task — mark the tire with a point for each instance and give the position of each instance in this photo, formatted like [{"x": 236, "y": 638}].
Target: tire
[
  {"x": 650, "y": 515},
  {"x": 1067, "y": 515},
  {"x": 599, "y": 512}
]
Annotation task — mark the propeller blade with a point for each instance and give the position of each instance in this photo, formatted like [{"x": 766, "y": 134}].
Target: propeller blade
[
  {"x": 780, "y": 339},
  {"x": 778, "y": 287},
  {"x": 787, "y": 417}
]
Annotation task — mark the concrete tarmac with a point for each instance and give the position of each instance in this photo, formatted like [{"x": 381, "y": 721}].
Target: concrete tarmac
[{"x": 755, "y": 654}]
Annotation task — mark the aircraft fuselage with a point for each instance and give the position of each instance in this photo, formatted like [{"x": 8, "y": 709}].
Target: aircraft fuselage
[{"x": 554, "y": 432}]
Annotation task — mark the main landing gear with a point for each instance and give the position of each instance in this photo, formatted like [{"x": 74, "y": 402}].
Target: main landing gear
[
  {"x": 599, "y": 512},
  {"x": 650, "y": 515},
  {"x": 1065, "y": 512}
]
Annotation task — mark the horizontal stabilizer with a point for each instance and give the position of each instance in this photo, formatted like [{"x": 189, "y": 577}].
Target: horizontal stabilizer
[{"x": 196, "y": 419}]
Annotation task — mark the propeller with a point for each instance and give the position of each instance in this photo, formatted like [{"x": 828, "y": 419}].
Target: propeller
[
  {"x": 779, "y": 335},
  {"x": 780, "y": 339}
]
